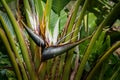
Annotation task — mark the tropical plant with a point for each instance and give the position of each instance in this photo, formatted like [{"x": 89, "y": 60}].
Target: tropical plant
[{"x": 49, "y": 40}]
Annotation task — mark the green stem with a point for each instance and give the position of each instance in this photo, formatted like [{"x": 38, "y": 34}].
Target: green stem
[
  {"x": 12, "y": 43},
  {"x": 42, "y": 70},
  {"x": 70, "y": 55},
  {"x": 68, "y": 65},
  {"x": 61, "y": 65},
  {"x": 77, "y": 25},
  {"x": 47, "y": 21},
  {"x": 69, "y": 59},
  {"x": 110, "y": 18},
  {"x": 27, "y": 9},
  {"x": 22, "y": 43},
  {"x": 10, "y": 54},
  {"x": 54, "y": 69},
  {"x": 49, "y": 67},
  {"x": 102, "y": 59},
  {"x": 72, "y": 20},
  {"x": 69, "y": 29}
]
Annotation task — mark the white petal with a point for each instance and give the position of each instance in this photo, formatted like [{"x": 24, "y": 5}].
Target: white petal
[{"x": 56, "y": 31}]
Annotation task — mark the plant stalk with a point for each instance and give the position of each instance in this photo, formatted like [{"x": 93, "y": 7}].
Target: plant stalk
[
  {"x": 9, "y": 35},
  {"x": 70, "y": 55},
  {"x": 69, "y": 29},
  {"x": 27, "y": 9},
  {"x": 102, "y": 59},
  {"x": 10, "y": 54},
  {"x": 73, "y": 17},
  {"x": 22, "y": 43},
  {"x": 112, "y": 16}
]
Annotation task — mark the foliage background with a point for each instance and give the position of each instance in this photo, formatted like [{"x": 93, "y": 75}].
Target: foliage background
[{"x": 66, "y": 65}]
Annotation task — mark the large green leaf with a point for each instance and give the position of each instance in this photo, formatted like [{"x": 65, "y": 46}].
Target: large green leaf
[
  {"x": 58, "y": 5},
  {"x": 54, "y": 17}
]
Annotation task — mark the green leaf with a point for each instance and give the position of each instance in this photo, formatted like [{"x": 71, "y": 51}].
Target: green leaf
[
  {"x": 58, "y": 5},
  {"x": 39, "y": 8},
  {"x": 4, "y": 60},
  {"x": 11, "y": 75},
  {"x": 54, "y": 17}
]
